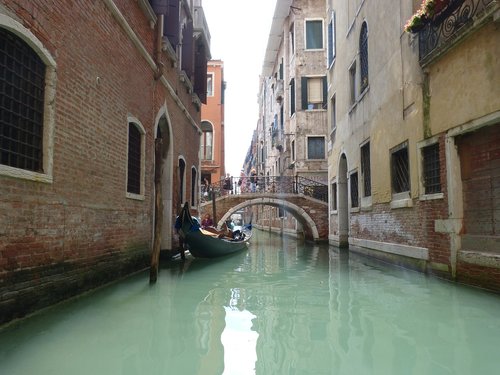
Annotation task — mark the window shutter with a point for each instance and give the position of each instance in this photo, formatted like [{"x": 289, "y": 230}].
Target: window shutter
[
  {"x": 200, "y": 79},
  {"x": 303, "y": 90},
  {"x": 171, "y": 25},
  {"x": 160, "y": 6},
  {"x": 187, "y": 49},
  {"x": 314, "y": 90},
  {"x": 325, "y": 91}
]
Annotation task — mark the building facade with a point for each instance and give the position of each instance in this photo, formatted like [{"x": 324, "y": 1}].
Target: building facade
[
  {"x": 414, "y": 136},
  {"x": 100, "y": 109},
  {"x": 292, "y": 126},
  {"x": 212, "y": 125}
]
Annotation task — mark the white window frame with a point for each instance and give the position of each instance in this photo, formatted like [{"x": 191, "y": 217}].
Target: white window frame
[
  {"x": 324, "y": 146},
  {"x": 322, "y": 34},
  {"x": 49, "y": 103},
  {"x": 210, "y": 84},
  {"x": 331, "y": 33},
  {"x": 140, "y": 127}
]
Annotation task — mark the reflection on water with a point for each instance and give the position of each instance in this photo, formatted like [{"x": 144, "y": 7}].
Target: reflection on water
[{"x": 282, "y": 307}]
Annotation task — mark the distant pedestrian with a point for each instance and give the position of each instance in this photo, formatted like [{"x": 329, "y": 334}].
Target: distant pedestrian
[
  {"x": 253, "y": 180},
  {"x": 227, "y": 185}
]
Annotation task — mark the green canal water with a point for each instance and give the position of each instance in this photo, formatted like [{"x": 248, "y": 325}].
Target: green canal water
[{"x": 282, "y": 307}]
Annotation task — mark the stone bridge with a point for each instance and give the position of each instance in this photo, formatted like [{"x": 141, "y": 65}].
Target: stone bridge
[{"x": 311, "y": 213}]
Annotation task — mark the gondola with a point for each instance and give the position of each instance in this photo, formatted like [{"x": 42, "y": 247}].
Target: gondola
[{"x": 208, "y": 244}]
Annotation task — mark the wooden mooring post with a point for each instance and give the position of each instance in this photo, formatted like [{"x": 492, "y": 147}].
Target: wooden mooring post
[{"x": 155, "y": 253}]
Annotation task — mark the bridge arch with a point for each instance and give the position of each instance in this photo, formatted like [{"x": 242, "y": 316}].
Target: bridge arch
[{"x": 299, "y": 213}]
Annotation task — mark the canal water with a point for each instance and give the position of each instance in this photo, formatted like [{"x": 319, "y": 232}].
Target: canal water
[{"x": 282, "y": 307}]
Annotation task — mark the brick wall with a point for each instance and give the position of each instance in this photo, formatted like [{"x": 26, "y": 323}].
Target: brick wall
[{"x": 60, "y": 238}]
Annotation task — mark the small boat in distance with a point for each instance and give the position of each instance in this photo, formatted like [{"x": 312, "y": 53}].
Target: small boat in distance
[{"x": 208, "y": 243}]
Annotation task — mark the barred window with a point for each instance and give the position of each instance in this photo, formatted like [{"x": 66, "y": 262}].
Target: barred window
[
  {"x": 363, "y": 56},
  {"x": 134, "y": 159},
  {"x": 431, "y": 167},
  {"x": 182, "y": 178},
  {"x": 354, "y": 190},
  {"x": 193, "y": 186},
  {"x": 22, "y": 81},
  {"x": 333, "y": 197},
  {"x": 400, "y": 169},
  {"x": 366, "y": 170},
  {"x": 315, "y": 147}
]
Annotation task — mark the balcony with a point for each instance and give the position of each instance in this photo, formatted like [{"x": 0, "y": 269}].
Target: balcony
[
  {"x": 447, "y": 28},
  {"x": 200, "y": 26}
]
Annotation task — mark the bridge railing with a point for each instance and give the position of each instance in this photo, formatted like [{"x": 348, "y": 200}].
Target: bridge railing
[{"x": 265, "y": 184}]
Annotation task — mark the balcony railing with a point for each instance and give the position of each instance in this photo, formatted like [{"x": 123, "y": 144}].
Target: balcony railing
[
  {"x": 268, "y": 184},
  {"x": 449, "y": 26}
]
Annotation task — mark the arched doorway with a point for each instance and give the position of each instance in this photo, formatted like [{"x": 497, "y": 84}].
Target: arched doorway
[{"x": 343, "y": 204}]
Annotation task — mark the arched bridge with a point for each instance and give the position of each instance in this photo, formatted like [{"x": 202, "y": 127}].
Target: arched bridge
[{"x": 305, "y": 199}]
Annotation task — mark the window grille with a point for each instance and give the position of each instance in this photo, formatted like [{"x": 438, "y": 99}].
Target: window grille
[
  {"x": 134, "y": 159},
  {"x": 182, "y": 170},
  {"x": 333, "y": 197},
  {"x": 354, "y": 190},
  {"x": 315, "y": 147},
  {"x": 193, "y": 187},
  {"x": 22, "y": 81},
  {"x": 363, "y": 56},
  {"x": 400, "y": 170},
  {"x": 366, "y": 170},
  {"x": 432, "y": 178}
]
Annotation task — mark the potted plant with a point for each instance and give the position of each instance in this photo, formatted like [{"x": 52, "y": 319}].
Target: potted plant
[{"x": 427, "y": 10}]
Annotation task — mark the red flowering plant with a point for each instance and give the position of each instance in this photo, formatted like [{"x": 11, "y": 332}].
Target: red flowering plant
[{"x": 428, "y": 8}]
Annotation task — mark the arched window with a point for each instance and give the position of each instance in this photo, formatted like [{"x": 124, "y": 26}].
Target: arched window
[
  {"x": 194, "y": 195},
  {"x": 22, "y": 104},
  {"x": 182, "y": 179},
  {"x": 207, "y": 140},
  {"x": 135, "y": 165},
  {"x": 363, "y": 56}
]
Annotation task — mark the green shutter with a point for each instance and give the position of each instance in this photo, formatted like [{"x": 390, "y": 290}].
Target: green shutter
[
  {"x": 304, "y": 92},
  {"x": 325, "y": 91}
]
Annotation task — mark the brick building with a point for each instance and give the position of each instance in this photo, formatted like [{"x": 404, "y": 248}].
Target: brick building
[
  {"x": 414, "y": 135},
  {"x": 212, "y": 125},
  {"x": 86, "y": 91}
]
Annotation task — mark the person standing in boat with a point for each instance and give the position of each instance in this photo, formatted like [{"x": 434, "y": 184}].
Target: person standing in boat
[{"x": 182, "y": 249}]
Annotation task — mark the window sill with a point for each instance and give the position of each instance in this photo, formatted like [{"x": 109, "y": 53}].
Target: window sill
[
  {"x": 355, "y": 209},
  {"x": 359, "y": 99},
  {"x": 333, "y": 212},
  {"x": 366, "y": 203},
  {"x": 401, "y": 200},
  {"x": 430, "y": 197},
  {"x": 25, "y": 174},
  {"x": 136, "y": 197}
]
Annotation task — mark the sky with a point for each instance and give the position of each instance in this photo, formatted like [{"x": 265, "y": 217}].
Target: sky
[{"x": 239, "y": 32}]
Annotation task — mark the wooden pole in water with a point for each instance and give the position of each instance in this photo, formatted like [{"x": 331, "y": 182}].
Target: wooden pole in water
[
  {"x": 214, "y": 210},
  {"x": 155, "y": 254}
]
